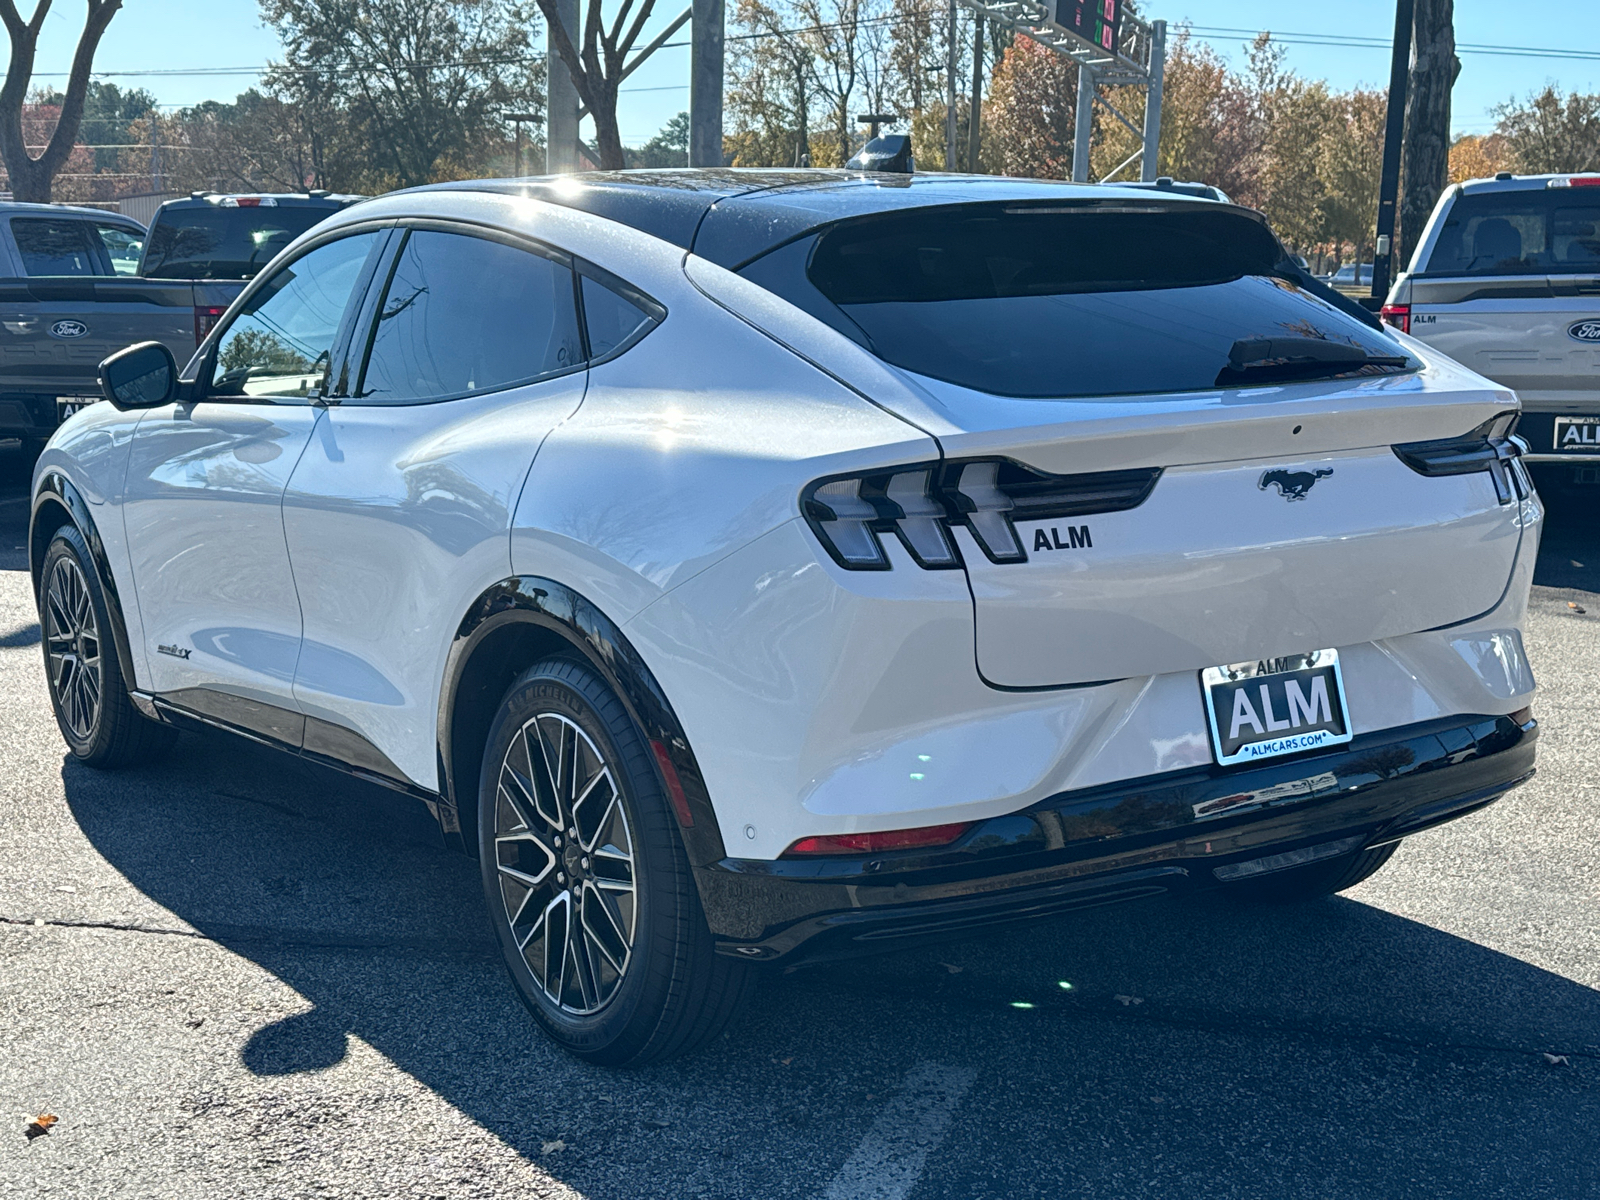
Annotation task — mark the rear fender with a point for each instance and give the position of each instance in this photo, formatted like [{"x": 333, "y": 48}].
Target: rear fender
[{"x": 509, "y": 627}]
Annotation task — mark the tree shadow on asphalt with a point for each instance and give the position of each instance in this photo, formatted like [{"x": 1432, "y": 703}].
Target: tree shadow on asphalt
[{"x": 343, "y": 892}]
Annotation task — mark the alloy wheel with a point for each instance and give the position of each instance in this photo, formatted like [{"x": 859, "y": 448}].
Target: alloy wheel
[
  {"x": 564, "y": 852},
  {"x": 72, "y": 644}
]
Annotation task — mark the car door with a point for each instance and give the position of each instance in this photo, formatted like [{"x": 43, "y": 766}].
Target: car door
[
  {"x": 398, "y": 515},
  {"x": 203, "y": 506}
]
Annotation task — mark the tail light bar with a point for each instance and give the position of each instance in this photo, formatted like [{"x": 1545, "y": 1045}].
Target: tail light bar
[
  {"x": 206, "y": 317},
  {"x": 921, "y": 503},
  {"x": 1398, "y": 315},
  {"x": 1491, "y": 447}
]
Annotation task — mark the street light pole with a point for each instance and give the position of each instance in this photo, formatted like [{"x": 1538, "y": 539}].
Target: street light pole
[
  {"x": 516, "y": 120},
  {"x": 1393, "y": 131}
]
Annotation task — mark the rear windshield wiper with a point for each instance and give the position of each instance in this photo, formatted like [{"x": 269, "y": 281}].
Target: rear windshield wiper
[{"x": 1271, "y": 360}]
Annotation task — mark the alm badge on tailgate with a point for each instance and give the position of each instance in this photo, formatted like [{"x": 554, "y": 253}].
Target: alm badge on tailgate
[{"x": 1275, "y": 706}]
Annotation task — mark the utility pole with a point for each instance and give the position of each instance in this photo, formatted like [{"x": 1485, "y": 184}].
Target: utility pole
[
  {"x": 975, "y": 114},
  {"x": 706, "y": 29},
  {"x": 561, "y": 108},
  {"x": 1393, "y": 131},
  {"x": 950, "y": 94}
]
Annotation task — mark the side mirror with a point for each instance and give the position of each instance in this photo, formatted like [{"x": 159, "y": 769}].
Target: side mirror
[{"x": 142, "y": 376}]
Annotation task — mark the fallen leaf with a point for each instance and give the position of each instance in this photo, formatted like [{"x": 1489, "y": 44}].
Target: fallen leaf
[
  {"x": 40, "y": 1125},
  {"x": 1556, "y": 1060},
  {"x": 1127, "y": 1000},
  {"x": 1577, "y": 608},
  {"x": 196, "y": 1023},
  {"x": 788, "y": 1060},
  {"x": 657, "y": 1123},
  {"x": 952, "y": 968},
  {"x": 552, "y": 1147}
]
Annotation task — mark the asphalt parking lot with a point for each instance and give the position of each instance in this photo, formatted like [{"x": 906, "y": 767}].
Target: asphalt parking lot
[{"x": 231, "y": 975}]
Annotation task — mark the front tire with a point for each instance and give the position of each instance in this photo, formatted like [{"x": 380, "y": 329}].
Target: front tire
[
  {"x": 587, "y": 882},
  {"x": 97, "y": 719}
]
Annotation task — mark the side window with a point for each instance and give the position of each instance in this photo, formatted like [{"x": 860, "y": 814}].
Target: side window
[
  {"x": 279, "y": 343},
  {"x": 54, "y": 247},
  {"x": 464, "y": 314},
  {"x": 609, "y": 318},
  {"x": 122, "y": 247}
]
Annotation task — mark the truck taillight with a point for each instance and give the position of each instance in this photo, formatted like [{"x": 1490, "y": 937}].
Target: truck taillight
[
  {"x": 206, "y": 317},
  {"x": 1398, "y": 315}
]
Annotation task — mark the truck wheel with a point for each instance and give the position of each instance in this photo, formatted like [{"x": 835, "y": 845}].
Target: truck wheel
[
  {"x": 1315, "y": 879},
  {"x": 588, "y": 886},
  {"x": 101, "y": 726}
]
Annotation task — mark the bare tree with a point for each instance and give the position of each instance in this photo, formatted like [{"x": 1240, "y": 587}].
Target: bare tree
[
  {"x": 1426, "y": 154},
  {"x": 597, "y": 70},
  {"x": 31, "y": 178}
]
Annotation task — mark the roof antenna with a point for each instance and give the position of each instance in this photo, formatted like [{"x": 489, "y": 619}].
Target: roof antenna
[{"x": 889, "y": 153}]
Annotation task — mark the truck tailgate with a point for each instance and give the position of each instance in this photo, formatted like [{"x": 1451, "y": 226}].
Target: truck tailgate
[{"x": 57, "y": 329}]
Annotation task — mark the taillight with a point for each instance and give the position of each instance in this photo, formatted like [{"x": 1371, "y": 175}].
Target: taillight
[
  {"x": 922, "y": 503},
  {"x": 206, "y": 317},
  {"x": 1574, "y": 181},
  {"x": 875, "y": 843},
  {"x": 1490, "y": 447},
  {"x": 1398, "y": 315}
]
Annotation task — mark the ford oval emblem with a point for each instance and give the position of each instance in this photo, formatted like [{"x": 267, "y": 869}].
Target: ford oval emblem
[
  {"x": 76, "y": 329},
  {"x": 1584, "y": 331}
]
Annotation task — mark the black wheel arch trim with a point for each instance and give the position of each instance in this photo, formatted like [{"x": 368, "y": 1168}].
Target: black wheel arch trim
[
  {"x": 56, "y": 489},
  {"x": 580, "y": 624}
]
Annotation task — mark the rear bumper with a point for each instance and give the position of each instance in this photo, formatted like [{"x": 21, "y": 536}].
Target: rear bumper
[{"x": 1103, "y": 845}]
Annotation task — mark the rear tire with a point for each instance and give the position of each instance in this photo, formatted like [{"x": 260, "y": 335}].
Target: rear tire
[
  {"x": 97, "y": 719},
  {"x": 1316, "y": 879},
  {"x": 602, "y": 933}
]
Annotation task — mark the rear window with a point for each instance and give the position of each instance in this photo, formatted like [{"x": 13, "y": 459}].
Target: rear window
[
  {"x": 223, "y": 243},
  {"x": 1059, "y": 301},
  {"x": 50, "y": 246},
  {"x": 1552, "y": 231}
]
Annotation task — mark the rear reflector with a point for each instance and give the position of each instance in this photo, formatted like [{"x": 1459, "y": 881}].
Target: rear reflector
[
  {"x": 873, "y": 843},
  {"x": 669, "y": 773}
]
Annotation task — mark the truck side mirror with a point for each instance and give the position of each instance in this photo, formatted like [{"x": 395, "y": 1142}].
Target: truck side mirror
[{"x": 142, "y": 376}]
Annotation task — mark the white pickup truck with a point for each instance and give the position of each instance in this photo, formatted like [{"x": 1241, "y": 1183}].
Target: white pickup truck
[{"x": 1506, "y": 281}]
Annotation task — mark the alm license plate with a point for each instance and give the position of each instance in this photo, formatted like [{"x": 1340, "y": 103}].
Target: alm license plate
[
  {"x": 67, "y": 405},
  {"x": 1577, "y": 435},
  {"x": 1275, "y": 706}
]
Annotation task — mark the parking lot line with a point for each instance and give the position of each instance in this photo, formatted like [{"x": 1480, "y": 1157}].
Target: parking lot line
[{"x": 889, "y": 1160}]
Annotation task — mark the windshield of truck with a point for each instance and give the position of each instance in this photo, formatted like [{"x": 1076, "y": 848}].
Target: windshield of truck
[
  {"x": 1552, "y": 231},
  {"x": 1064, "y": 301},
  {"x": 223, "y": 243}
]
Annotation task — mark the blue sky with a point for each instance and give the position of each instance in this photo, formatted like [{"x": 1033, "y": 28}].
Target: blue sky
[{"x": 190, "y": 35}]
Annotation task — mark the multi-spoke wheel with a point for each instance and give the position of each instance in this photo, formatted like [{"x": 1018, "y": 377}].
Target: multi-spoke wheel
[
  {"x": 588, "y": 885},
  {"x": 72, "y": 646},
  {"x": 98, "y": 720},
  {"x": 565, "y": 855}
]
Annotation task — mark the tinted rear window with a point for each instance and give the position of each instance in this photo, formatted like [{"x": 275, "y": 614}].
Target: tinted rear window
[
  {"x": 1059, "y": 301},
  {"x": 223, "y": 243},
  {"x": 1552, "y": 231},
  {"x": 50, "y": 246}
]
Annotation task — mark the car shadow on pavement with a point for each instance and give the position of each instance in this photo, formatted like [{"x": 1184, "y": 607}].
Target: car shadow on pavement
[{"x": 1341, "y": 1042}]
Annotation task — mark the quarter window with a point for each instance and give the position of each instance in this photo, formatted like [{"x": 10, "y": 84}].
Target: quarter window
[
  {"x": 609, "y": 318},
  {"x": 463, "y": 315},
  {"x": 280, "y": 342}
]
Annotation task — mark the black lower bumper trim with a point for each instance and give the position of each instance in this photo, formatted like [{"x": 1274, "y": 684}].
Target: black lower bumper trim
[{"x": 1105, "y": 845}]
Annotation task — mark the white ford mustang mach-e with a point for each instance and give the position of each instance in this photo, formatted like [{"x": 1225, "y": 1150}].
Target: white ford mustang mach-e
[{"x": 758, "y": 566}]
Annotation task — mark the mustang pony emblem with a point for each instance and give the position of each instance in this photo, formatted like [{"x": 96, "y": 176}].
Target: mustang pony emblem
[{"x": 1293, "y": 485}]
